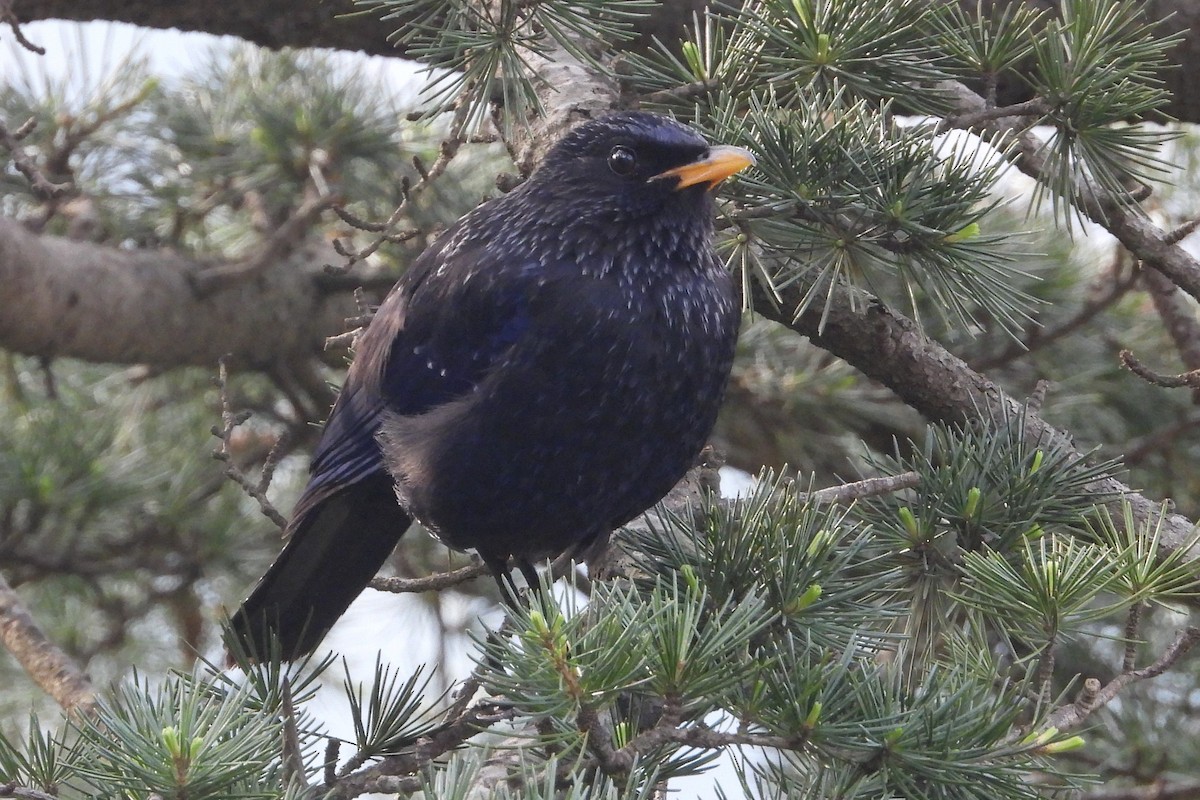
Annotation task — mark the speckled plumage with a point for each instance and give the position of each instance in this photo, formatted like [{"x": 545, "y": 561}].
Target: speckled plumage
[{"x": 544, "y": 372}]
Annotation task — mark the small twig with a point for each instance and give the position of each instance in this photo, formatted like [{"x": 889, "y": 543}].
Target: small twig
[
  {"x": 1178, "y": 234},
  {"x": 446, "y": 153},
  {"x": 1045, "y": 670},
  {"x": 354, "y": 325},
  {"x": 612, "y": 762},
  {"x": 355, "y": 221},
  {"x": 1037, "y": 398},
  {"x": 758, "y": 212},
  {"x": 332, "y": 746},
  {"x": 274, "y": 456},
  {"x": 393, "y": 785},
  {"x": 1038, "y": 338},
  {"x": 1072, "y": 716},
  {"x": 1035, "y": 107},
  {"x": 229, "y": 421},
  {"x": 430, "y": 583},
  {"x": 1178, "y": 317},
  {"x": 9, "y": 17},
  {"x": 342, "y": 341},
  {"x": 1132, "y": 622},
  {"x": 685, "y": 92},
  {"x": 43, "y": 188},
  {"x": 1190, "y": 380},
  {"x": 701, "y": 736},
  {"x": 42, "y": 660},
  {"x": 293, "y": 755},
  {"x": 79, "y": 129},
  {"x": 1087, "y": 693},
  {"x": 869, "y": 487},
  {"x": 276, "y": 247},
  {"x": 23, "y": 792},
  {"x": 383, "y": 777}
]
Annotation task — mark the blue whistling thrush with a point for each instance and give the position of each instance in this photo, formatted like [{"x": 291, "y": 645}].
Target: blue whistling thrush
[{"x": 544, "y": 372}]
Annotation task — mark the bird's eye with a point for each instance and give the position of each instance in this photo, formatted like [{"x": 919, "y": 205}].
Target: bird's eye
[{"x": 622, "y": 160}]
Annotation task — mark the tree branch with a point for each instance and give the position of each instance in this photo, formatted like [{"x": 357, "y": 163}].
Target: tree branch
[
  {"x": 41, "y": 659},
  {"x": 382, "y": 776},
  {"x": 43, "y": 188},
  {"x": 431, "y": 583},
  {"x": 60, "y": 294},
  {"x": 870, "y": 487},
  {"x": 891, "y": 349},
  {"x": 1155, "y": 247},
  {"x": 1072, "y": 716}
]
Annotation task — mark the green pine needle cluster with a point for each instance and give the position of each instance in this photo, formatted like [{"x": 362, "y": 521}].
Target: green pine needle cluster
[
  {"x": 479, "y": 52},
  {"x": 837, "y": 201},
  {"x": 1095, "y": 68},
  {"x": 898, "y": 647}
]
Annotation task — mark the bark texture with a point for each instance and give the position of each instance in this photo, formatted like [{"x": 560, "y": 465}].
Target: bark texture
[
  {"x": 338, "y": 24},
  {"x": 60, "y": 297},
  {"x": 279, "y": 23}
]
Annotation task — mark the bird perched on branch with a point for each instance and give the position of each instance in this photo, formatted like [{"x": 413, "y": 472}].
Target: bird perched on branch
[{"x": 543, "y": 373}]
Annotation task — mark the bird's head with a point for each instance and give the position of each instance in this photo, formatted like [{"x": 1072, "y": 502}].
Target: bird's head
[{"x": 635, "y": 164}]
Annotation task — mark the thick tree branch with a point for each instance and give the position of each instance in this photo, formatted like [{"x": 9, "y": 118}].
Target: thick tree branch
[
  {"x": 65, "y": 298},
  {"x": 339, "y": 24},
  {"x": 889, "y": 348}
]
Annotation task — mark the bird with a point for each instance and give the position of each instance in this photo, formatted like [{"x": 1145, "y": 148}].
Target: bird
[{"x": 545, "y": 371}]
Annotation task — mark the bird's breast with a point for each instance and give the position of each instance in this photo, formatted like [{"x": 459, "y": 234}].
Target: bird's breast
[{"x": 589, "y": 418}]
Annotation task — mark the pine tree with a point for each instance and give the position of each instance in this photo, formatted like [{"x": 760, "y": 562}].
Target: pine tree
[{"x": 956, "y": 623}]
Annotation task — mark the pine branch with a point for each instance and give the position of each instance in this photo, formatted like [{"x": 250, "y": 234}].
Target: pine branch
[
  {"x": 1148, "y": 242},
  {"x": 23, "y": 792},
  {"x": 870, "y": 487},
  {"x": 431, "y": 583},
  {"x": 1189, "y": 379},
  {"x": 380, "y": 777},
  {"x": 891, "y": 349},
  {"x": 1177, "y": 316}
]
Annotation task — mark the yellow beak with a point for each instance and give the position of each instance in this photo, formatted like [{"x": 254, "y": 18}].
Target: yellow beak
[{"x": 716, "y": 165}]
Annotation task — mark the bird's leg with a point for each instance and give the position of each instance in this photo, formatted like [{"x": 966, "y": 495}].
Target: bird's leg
[
  {"x": 532, "y": 579},
  {"x": 503, "y": 577}
]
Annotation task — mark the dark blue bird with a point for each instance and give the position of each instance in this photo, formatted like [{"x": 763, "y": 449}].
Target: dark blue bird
[{"x": 544, "y": 372}]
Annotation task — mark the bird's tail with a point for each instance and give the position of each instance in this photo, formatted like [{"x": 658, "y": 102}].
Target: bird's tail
[{"x": 336, "y": 546}]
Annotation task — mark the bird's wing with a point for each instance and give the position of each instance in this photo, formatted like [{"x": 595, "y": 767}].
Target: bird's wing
[{"x": 438, "y": 333}]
